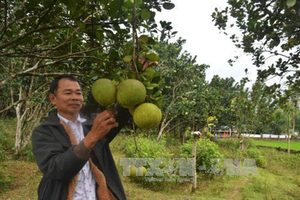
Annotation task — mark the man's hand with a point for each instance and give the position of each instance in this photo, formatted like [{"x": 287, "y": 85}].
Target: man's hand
[{"x": 103, "y": 123}]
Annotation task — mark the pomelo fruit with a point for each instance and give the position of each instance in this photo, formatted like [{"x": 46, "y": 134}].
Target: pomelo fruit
[
  {"x": 104, "y": 92},
  {"x": 130, "y": 93},
  {"x": 132, "y": 171},
  {"x": 147, "y": 116},
  {"x": 137, "y": 171}
]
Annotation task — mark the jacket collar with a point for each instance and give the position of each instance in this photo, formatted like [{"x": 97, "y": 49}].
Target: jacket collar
[{"x": 53, "y": 120}]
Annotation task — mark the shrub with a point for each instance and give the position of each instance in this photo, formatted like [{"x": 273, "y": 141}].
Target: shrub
[
  {"x": 29, "y": 153},
  {"x": 208, "y": 156},
  {"x": 144, "y": 148},
  {"x": 229, "y": 144},
  {"x": 254, "y": 153},
  {"x": 148, "y": 148},
  {"x": 248, "y": 143}
]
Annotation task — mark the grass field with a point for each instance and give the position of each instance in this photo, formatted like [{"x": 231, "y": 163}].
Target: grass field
[
  {"x": 277, "y": 143},
  {"x": 278, "y": 180}
]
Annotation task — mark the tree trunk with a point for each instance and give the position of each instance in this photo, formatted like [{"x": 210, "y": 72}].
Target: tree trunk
[
  {"x": 184, "y": 137},
  {"x": 18, "y": 129},
  {"x": 18, "y": 108},
  {"x": 294, "y": 116},
  {"x": 164, "y": 124},
  {"x": 29, "y": 113}
]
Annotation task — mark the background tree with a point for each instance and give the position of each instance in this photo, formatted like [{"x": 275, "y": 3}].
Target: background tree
[
  {"x": 262, "y": 108},
  {"x": 221, "y": 92},
  {"x": 241, "y": 105},
  {"x": 268, "y": 29},
  {"x": 184, "y": 88}
]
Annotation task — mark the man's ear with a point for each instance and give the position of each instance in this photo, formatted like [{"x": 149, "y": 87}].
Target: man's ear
[{"x": 52, "y": 98}]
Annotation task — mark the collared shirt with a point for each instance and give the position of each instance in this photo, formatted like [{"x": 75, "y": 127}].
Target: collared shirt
[{"x": 86, "y": 184}]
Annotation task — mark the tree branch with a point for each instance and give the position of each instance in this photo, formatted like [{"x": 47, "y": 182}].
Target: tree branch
[
  {"x": 29, "y": 33},
  {"x": 48, "y": 74},
  {"x": 9, "y": 107}
]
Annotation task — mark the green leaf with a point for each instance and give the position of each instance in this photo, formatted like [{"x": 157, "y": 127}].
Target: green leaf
[
  {"x": 290, "y": 3},
  {"x": 152, "y": 55},
  {"x": 127, "y": 59},
  {"x": 99, "y": 35},
  {"x": 81, "y": 25},
  {"x": 128, "y": 3},
  {"x": 145, "y": 14},
  {"x": 157, "y": 94},
  {"x": 139, "y": 3},
  {"x": 37, "y": 41},
  {"x": 19, "y": 14},
  {"x": 109, "y": 33},
  {"x": 151, "y": 41},
  {"x": 168, "y": 6},
  {"x": 143, "y": 39},
  {"x": 131, "y": 74},
  {"x": 150, "y": 88},
  {"x": 47, "y": 3},
  {"x": 72, "y": 5}
]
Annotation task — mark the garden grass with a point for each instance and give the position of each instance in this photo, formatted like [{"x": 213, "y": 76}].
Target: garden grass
[
  {"x": 280, "y": 179},
  {"x": 294, "y": 145}
]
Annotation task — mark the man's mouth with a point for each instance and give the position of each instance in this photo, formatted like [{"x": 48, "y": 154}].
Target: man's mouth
[{"x": 74, "y": 105}]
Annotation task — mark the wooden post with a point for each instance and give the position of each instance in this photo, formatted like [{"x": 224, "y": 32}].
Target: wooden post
[
  {"x": 194, "y": 156},
  {"x": 288, "y": 139}
]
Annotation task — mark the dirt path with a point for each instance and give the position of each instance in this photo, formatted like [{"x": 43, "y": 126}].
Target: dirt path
[{"x": 236, "y": 190}]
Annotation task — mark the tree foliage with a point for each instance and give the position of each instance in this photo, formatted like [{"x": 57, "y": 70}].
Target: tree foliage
[
  {"x": 221, "y": 92},
  {"x": 87, "y": 39},
  {"x": 268, "y": 30},
  {"x": 184, "y": 97}
]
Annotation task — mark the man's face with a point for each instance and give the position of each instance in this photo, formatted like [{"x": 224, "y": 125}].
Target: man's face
[{"x": 68, "y": 98}]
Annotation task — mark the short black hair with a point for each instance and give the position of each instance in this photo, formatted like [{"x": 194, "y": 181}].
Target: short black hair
[{"x": 54, "y": 83}]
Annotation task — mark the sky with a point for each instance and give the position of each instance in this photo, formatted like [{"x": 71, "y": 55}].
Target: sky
[{"x": 192, "y": 19}]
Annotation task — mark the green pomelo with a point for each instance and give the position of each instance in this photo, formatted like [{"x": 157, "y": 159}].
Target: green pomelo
[
  {"x": 132, "y": 171},
  {"x": 143, "y": 169},
  {"x": 137, "y": 171},
  {"x": 130, "y": 93},
  {"x": 147, "y": 116},
  {"x": 104, "y": 92}
]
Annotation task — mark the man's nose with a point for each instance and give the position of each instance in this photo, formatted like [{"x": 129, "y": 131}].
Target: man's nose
[{"x": 74, "y": 96}]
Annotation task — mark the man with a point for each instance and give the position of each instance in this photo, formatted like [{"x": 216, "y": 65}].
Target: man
[{"x": 73, "y": 153}]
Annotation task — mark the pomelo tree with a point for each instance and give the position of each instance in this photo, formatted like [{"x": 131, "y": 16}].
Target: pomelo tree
[
  {"x": 184, "y": 88},
  {"x": 269, "y": 32},
  {"x": 42, "y": 39}
]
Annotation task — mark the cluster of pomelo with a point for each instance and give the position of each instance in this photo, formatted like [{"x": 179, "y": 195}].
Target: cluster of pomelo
[{"x": 131, "y": 94}]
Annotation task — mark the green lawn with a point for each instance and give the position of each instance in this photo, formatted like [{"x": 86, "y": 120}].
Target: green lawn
[
  {"x": 275, "y": 143},
  {"x": 279, "y": 179}
]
